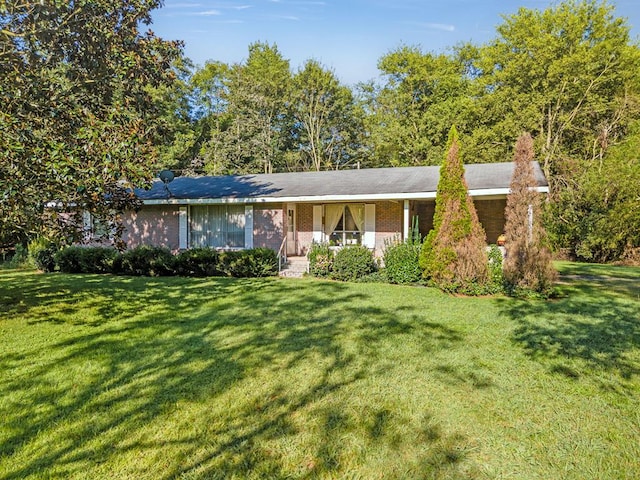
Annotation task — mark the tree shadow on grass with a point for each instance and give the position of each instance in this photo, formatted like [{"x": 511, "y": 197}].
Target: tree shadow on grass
[
  {"x": 593, "y": 327},
  {"x": 130, "y": 351}
]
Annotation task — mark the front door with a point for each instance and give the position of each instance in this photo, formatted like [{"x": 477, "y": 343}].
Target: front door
[{"x": 292, "y": 248}]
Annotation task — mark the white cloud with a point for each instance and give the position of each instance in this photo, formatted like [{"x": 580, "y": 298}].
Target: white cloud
[
  {"x": 439, "y": 26},
  {"x": 183, "y": 5},
  {"x": 208, "y": 13},
  {"x": 301, "y": 2}
]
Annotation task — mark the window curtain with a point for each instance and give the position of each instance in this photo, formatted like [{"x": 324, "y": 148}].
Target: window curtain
[
  {"x": 357, "y": 212},
  {"x": 332, "y": 215},
  {"x": 217, "y": 226},
  {"x": 199, "y": 226},
  {"x": 235, "y": 226}
]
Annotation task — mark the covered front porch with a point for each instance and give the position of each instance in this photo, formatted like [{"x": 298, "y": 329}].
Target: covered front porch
[{"x": 374, "y": 224}]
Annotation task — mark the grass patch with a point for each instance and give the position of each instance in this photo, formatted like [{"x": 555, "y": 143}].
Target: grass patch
[{"x": 121, "y": 377}]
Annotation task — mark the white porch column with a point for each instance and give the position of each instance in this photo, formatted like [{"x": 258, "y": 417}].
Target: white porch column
[
  {"x": 405, "y": 224},
  {"x": 248, "y": 226},
  {"x": 369, "y": 238},
  {"x": 183, "y": 228}
]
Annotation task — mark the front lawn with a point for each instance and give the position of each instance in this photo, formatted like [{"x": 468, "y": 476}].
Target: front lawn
[{"x": 147, "y": 378}]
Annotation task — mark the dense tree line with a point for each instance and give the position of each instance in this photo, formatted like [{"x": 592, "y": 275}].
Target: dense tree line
[
  {"x": 107, "y": 106},
  {"x": 567, "y": 75},
  {"x": 260, "y": 117}
]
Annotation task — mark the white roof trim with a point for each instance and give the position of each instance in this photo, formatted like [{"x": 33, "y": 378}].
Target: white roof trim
[{"x": 488, "y": 192}]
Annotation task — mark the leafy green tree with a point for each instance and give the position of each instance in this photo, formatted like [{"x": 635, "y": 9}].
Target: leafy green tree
[
  {"x": 527, "y": 265},
  {"x": 453, "y": 254},
  {"x": 255, "y": 131},
  {"x": 179, "y": 108},
  {"x": 78, "y": 119},
  {"x": 600, "y": 220},
  {"x": 410, "y": 114},
  {"x": 568, "y": 74},
  {"x": 258, "y": 117},
  {"x": 326, "y": 125},
  {"x": 210, "y": 90},
  {"x": 192, "y": 151}
]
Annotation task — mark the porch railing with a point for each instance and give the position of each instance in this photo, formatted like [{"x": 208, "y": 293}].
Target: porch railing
[{"x": 282, "y": 254}]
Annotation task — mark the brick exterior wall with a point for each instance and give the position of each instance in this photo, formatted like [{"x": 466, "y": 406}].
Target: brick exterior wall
[
  {"x": 268, "y": 226},
  {"x": 159, "y": 224},
  {"x": 389, "y": 219},
  {"x": 304, "y": 212},
  {"x": 153, "y": 225},
  {"x": 490, "y": 213},
  {"x": 491, "y": 216}
]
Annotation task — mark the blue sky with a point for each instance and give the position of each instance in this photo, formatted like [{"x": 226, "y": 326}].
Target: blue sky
[{"x": 346, "y": 36}]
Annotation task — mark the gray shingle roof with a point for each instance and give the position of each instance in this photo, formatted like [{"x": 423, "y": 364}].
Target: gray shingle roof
[{"x": 374, "y": 182}]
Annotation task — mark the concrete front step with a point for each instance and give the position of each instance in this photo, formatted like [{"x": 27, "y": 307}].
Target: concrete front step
[{"x": 295, "y": 267}]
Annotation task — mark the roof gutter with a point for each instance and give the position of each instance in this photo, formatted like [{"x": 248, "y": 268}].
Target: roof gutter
[{"x": 479, "y": 193}]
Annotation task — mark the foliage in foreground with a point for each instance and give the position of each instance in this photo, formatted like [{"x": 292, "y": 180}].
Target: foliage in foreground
[
  {"x": 158, "y": 261},
  {"x": 353, "y": 262},
  {"x": 347, "y": 264},
  {"x": 528, "y": 263},
  {"x": 79, "y": 120},
  {"x": 77, "y": 259},
  {"x": 41, "y": 254},
  {"x": 320, "y": 258},
  {"x": 401, "y": 262},
  {"x": 115, "y": 378},
  {"x": 453, "y": 255}
]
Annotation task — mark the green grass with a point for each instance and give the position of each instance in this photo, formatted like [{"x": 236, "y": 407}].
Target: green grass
[{"x": 118, "y": 377}]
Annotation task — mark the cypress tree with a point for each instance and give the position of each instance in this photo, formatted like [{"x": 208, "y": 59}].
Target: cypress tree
[
  {"x": 527, "y": 265},
  {"x": 453, "y": 255}
]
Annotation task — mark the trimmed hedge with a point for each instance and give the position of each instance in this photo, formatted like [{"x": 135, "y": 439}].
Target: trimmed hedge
[
  {"x": 256, "y": 262},
  {"x": 347, "y": 264},
  {"x": 86, "y": 259},
  {"x": 159, "y": 261},
  {"x": 320, "y": 260},
  {"x": 198, "y": 262},
  {"x": 402, "y": 262},
  {"x": 145, "y": 261},
  {"x": 353, "y": 262}
]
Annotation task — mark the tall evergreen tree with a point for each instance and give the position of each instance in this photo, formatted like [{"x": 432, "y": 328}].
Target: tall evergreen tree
[
  {"x": 453, "y": 254},
  {"x": 528, "y": 260}
]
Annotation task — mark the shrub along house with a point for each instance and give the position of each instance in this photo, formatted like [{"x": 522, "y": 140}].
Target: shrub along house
[{"x": 288, "y": 211}]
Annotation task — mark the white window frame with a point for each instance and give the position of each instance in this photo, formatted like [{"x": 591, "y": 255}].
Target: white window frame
[
  {"x": 94, "y": 230},
  {"x": 358, "y": 234},
  {"x": 187, "y": 225}
]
